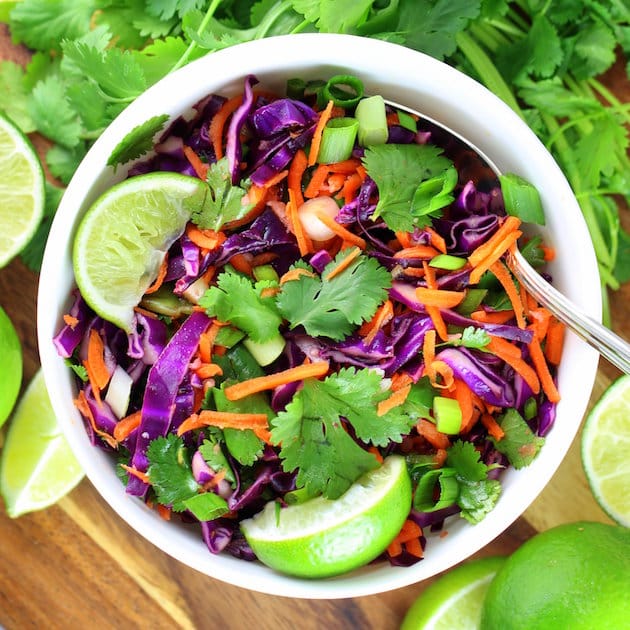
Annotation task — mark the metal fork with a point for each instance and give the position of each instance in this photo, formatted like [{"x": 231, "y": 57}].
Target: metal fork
[{"x": 610, "y": 345}]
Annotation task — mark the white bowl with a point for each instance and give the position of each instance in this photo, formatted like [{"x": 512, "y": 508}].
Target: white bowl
[{"x": 406, "y": 77}]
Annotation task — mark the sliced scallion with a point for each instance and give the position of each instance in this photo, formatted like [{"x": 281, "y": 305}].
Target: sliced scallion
[
  {"x": 521, "y": 199},
  {"x": 370, "y": 113},
  {"x": 344, "y": 90},
  {"x": 448, "y": 415},
  {"x": 407, "y": 121},
  {"x": 442, "y": 479},
  {"x": 447, "y": 261},
  {"x": 265, "y": 272},
  {"x": 471, "y": 302},
  {"x": 338, "y": 140}
]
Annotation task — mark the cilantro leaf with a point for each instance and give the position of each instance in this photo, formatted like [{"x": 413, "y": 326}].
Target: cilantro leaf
[
  {"x": 63, "y": 161},
  {"x": 14, "y": 95},
  {"x": 170, "y": 472},
  {"x": 123, "y": 17},
  {"x": 235, "y": 299},
  {"x": 477, "y": 498},
  {"x": 160, "y": 57},
  {"x": 312, "y": 436},
  {"x": 465, "y": 459},
  {"x": 138, "y": 141},
  {"x": 225, "y": 203},
  {"x": 519, "y": 444},
  {"x": 166, "y": 9},
  {"x": 214, "y": 456},
  {"x": 472, "y": 337},
  {"x": 332, "y": 308},
  {"x": 43, "y": 25},
  {"x": 593, "y": 50},
  {"x": 334, "y": 16},
  {"x": 399, "y": 170}
]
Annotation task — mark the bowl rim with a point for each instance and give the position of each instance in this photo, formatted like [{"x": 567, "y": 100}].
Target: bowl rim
[{"x": 439, "y": 85}]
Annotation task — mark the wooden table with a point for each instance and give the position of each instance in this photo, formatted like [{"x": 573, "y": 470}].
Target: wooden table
[{"x": 77, "y": 565}]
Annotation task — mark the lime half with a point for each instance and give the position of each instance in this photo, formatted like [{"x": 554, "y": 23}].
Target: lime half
[
  {"x": 454, "y": 600},
  {"x": 124, "y": 236},
  {"x": 606, "y": 450},
  {"x": 21, "y": 190},
  {"x": 37, "y": 466},
  {"x": 11, "y": 353},
  {"x": 323, "y": 537}
]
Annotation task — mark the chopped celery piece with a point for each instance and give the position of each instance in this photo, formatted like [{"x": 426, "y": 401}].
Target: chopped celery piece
[
  {"x": 265, "y": 272},
  {"x": 447, "y": 261},
  {"x": 228, "y": 336},
  {"x": 266, "y": 352},
  {"x": 370, "y": 113},
  {"x": 448, "y": 415},
  {"x": 338, "y": 140},
  {"x": 470, "y": 303},
  {"x": 165, "y": 302}
]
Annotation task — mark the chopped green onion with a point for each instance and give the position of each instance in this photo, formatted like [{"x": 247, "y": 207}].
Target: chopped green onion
[
  {"x": 530, "y": 409},
  {"x": 521, "y": 199},
  {"x": 435, "y": 193},
  {"x": 265, "y": 352},
  {"x": 472, "y": 300},
  {"x": 228, "y": 336},
  {"x": 295, "y": 88},
  {"x": 448, "y": 415},
  {"x": 207, "y": 506},
  {"x": 370, "y": 113},
  {"x": 407, "y": 121},
  {"x": 337, "y": 140},
  {"x": 265, "y": 272},
  {"x": 344, "y": 90},
  {"x": 447, "y": 261},
  {"x": 445, "y": 479},
  {"x": 165, "y": 302}
]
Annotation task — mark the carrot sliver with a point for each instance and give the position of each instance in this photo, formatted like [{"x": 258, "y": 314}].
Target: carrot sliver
[
  {"x": 340, "y": 231},
  {"x": 160, "y": 277},
  {"x": 400, "y": 380},
  {"x": 241, "y": 263},
  {"x": 508, "y": 226},
  {"x": 436, "y": 240},
  {"x": 493, "y": 317},
  {"x": 464, "y": 396},
  {"x": 433, "y": 311},
  {"x": 200, "y": 167},
  {"x": 70, "y": 320},
  {"x": 383, "y": 315},
  {"x": 429, "y": 432},
  {"x": 417, "y": 251},
  {"x": 206, "y": 239},
  {"x": 217, "y": 124},
  {"x": 540, "y": 318},
  {"x": 295, "y": 274},
  {"x": 81, "y": 403},
  {"x": 414, "y": 547},
  {"x": 502, "y": 247},
  {"x": 410, "y": 530},
  {"x": 276, "y": 179},
  {"x": 404, "y": 238},
  {"x": 492, "y": 426},
  {"x": 317, "y": 181},
  {"x": 542, "y": 369},
  {"x": 296, "y": 172},
  {"x": 376, "y": 453},
  {"x": 96, "y": 360},
  {"x": 343, "y": 264},
  {"x": 503, "y": 276},
  {"x": 206, "y": 341},
  {"x": 316, "y": 141},
  {"x": 444, "y": 372},
  {"x": 136, "y": 473},
  {"x": 512, "y": 356},
  {"x": 126, "y": 425},
  {"x": 554, "y": 341},
  {"x": 394, "y": 548},
  {"x": 395, "y": 399},
  {"x": 439, "y": 297},
  {"x": 304, "y": 242},
  {"x": 350, "y": 187},
  {"x": 223, "y": 420},
  {"x": 271, "y": 381},
  {"x": 208, "y": 370}
]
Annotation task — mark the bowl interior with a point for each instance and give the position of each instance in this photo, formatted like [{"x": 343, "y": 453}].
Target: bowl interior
[{"x": 403, "y": 76}]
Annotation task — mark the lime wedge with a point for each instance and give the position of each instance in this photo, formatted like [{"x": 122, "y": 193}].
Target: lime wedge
[
  {"x": 11, "y": 353},
  {"x": 454, "y": 601},
  {"x": 322, "y": 537},
  {"x": 124, "y": 236},
  {"x": 21, "y": 190},
  {"x": 606, "y": 450},
  {"x": 37, "y": 466}
]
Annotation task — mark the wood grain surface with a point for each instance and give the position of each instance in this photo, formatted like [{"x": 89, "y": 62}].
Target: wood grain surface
[{"x": 77, "y": 565}]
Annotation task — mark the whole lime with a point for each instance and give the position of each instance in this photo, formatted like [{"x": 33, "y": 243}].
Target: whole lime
[{"x": 571, "y": 576}]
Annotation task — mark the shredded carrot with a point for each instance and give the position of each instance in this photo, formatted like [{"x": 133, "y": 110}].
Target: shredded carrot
[
  {"x": 268, "y": 292},
  {"x": 505, "y": 245},
  {"x": 164, "y": 511},
  {"x": 350, "y": 187},
  {"x": 70, "y": 320},
  {"x": 81, "y": 403},
  {"x": 271, "y": 381},
  {"x": 346, "y": 167},
  {"x": 428, "y": 349},
  {"x": 206, "y": 341},
  {"x": 241, "y": 263},
  {"x": 463, "y": 395},
  {"x": 394, "y": 548},
  {"x": 317, "y": 183},
  {"x": 217, "y": 124},
  {"x": 413, "y": 272},
  {"x": 542, "y": 369},
  {"x": 340, "y": 231},
  {"x": 343, "y": 264},
  {"x": 440, "y": 455},
  {"x": 296, "y": 172},
  {"x": 503, "y": 276},
  {"x": 276, "y": 179},
  {"x": 443, "y": 377},
  {"x": 223, "y": 420},
  {"x": 540, "y": 318},
  {"x": 335, "y": 182},
  {"x": 439, "y": 297},
  {"x": 208, "y": 370},
  {"x": 410, "y": 530},
  {"x": 376, "y": 453},
  {"x": 263, "y": 259},
  {"x": 433, "y": 311},
  {"x": 304, "y": 242},
  {"x": 316, "y": 141},
  {"x": 554, "y": 341},
  {"x": 493, "y": 427},
  {"x": 136, "y": 473},
  {"x": 549, "y": 253},
  {"x": 509, "y": 226},
  {"x": 436, "y": 240},
  {"x": 200, "y": 167},
  {"x": 429, "y": 432},
  {"x": 383, "y": 315},
  {"x": 160, "y": 277},
  {"x": 400, "y": 380},
  {"x": 294, "y": 274},
  {"x": 417, "y": 251},
  {"x": 512, "y": 356},
  {"x": 206, "y": 239},
  {"x": 256, "y": 196},
  {"x": 96, "y": 361},
  {"x": 395, "y": 399},
  {"x": 126, "y": 425},
  {"x": 493, "y": 317},
  {"x": 404, "y": 238},
  {"x": 414, "y": 547}
]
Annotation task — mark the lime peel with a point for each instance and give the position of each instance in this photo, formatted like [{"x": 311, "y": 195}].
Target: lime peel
[{"x": 11, "y": 353}]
